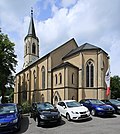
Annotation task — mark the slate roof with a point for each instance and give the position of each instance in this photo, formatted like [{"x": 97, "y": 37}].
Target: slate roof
[
  {"x": 64, "y": 65},
  {"x": 31, "y": 30},
  {"x": 81, "y": 48}
]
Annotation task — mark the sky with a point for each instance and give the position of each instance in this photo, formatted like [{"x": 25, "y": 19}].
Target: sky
[{"x": 56, "y": 21}]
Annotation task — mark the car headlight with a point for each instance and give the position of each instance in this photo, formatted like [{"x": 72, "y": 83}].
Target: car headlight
[
  {"x": 14, "y": 121},
  {"x": 73, "y": 112},
  {"x": 118, "y": 107},
  {"x": 43, "y": 117},
  {"x": 99, "y": 108}
]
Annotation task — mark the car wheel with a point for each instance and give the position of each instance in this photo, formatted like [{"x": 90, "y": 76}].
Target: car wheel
[
  {"x": 93, "y": 113},
  {"x": 18, "y": 126},
  {"x": 37, "y": 122},
  {"x": 68, "y": 117}
]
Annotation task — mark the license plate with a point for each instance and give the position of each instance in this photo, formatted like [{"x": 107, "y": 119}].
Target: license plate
[
  {"x": 109, "y": 112},
  {"x": 84, "y": 115},
  {"x": 53, "y": 121}
]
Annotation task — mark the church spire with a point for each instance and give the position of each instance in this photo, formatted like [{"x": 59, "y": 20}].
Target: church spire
[
  {"x": 31, "y": 47},
  {"x": 31, "y": 30}
]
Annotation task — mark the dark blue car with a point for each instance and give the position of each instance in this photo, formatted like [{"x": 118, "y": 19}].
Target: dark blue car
[
  {"x": 114, "y": 103},
  {"x": 98, "y": 107},
  {"x": 10, "y": 118}
]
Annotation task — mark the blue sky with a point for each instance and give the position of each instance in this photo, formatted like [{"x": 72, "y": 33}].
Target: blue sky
[{"x": 56, "y": 21}]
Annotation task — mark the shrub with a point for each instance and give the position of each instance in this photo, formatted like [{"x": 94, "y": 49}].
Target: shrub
[{"x": 26, "y": 107}]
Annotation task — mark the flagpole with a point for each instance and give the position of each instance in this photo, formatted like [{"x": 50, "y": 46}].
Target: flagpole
[{"x": 107, "y": 78}]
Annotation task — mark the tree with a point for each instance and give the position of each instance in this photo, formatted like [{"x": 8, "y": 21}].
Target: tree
[
  {"x": 115, "y": 87},
  {"x": 8, "y": 63}
]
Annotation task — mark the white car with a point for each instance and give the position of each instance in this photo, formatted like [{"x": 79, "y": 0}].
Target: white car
[{"x": 72, "y": 110}]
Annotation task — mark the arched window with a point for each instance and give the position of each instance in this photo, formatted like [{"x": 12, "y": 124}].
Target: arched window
[
  {"x": 72, "y": 78},
  {"x": 56, "y": 98},
  {"x": 56, "y": 79},
  {"x": 26, "y": 49},
  {"x": 24, "y": 89},
  {"x": 60, "y": 77},
  {"x": 33, "y": 48},
  {"x": 89, "y": 74},
  {"x": 43, "y": 77},
  {"x": 42, "y": 97},
  {"x": 27, "y": 77},
  {"x": 34, "y": 80}
]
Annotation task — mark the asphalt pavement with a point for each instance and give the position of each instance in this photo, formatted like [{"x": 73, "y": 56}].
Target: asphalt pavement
[{"x": 96, "y": 125}]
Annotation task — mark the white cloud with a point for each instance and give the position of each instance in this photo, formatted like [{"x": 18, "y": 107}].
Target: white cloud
[
  {"x": 115, "y": 54},
  {"x": 68, "y": 3}
]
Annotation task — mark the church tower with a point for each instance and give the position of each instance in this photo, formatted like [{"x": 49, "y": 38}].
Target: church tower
[{"x": 31, "y": 47}]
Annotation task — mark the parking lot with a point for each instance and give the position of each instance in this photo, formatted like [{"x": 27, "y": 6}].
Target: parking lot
[{"x": 96, "y": 125}]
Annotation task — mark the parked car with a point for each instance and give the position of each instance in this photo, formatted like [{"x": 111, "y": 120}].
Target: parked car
[
  {"x": 118, "y": 99},
  {"x": 45, "y": 113},
  {"x": 114, "y": 103},
  {"x": 98, "y": 107},
  {"x": 72, "y": 110},
  {"x": 10, "y": 118}
]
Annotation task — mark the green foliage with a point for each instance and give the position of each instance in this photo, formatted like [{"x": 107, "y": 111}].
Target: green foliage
[
  {"x": 7, "y": 63},
  {"x": 26, "y": 107},
  {"x": 9, "y": 90},
  {"x": 115, "y": 87}
]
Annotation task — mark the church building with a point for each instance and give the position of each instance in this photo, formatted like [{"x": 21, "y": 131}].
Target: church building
[{"x": 70, "y": 71}]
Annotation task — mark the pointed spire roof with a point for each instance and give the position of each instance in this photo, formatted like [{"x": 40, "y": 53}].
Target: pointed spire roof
[{"x": 31, "y": 30}]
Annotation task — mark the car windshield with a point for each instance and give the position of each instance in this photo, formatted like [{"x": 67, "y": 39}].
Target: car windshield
[
  {"x": 6, "y": 109},
  {"x": 45, "y": 106},
  {"x": 114, "y": 101},
  {"x": 95, "y": 101},
  {"x": 72, "y": 104}
]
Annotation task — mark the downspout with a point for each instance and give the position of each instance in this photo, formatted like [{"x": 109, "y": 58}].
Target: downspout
[
  {"x": 51, "y": 86},
  {"x": 97, "y": 74},
  {"x": 82, "y": 75},
  {"x": 51, "y": 79}
]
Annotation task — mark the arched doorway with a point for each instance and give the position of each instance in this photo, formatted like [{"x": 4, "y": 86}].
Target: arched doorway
[{"x": 56, "y": 97}]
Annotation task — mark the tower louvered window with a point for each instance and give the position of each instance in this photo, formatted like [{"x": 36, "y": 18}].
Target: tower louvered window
[{"x": 33, "y": 48}]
